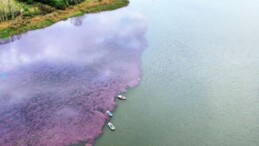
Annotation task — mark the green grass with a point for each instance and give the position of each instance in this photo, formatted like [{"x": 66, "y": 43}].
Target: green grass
[
  {"x": 22, "y": 25},
  {"x": 5, "y": 33}
]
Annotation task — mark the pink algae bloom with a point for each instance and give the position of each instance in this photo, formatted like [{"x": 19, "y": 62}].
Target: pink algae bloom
[{"x": 56, "y": 84}]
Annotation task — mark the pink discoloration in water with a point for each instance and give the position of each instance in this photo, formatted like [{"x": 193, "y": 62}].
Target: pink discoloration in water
[{"x": 57, "y": 83}]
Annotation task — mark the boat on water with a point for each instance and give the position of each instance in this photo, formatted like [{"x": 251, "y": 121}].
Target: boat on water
[
  {"x": 109, "y": 113},
  {"x": 121, "y": 97},
  {"x": 111, "y": 126}
]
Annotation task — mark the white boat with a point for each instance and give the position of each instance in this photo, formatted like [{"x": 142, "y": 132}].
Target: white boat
[
  {"x": 109, "y": 113},
  {"x": 111, "y": 126},
  {"x": 121, "y": 97}
]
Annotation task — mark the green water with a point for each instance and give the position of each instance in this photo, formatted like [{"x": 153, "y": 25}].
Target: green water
[{"x": 200, "y": 77}]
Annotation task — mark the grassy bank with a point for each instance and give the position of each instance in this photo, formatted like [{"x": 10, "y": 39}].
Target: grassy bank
[{"x": 23, "y": 24}]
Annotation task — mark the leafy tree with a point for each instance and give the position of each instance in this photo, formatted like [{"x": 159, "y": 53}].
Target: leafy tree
[{"x": 9, "y": 9}]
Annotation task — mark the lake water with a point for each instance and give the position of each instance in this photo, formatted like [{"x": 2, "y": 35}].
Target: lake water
[
  {"x": 200, "y": 77},
  {"x": 56, "y": 84},
  {"x": 199, "y": 74}
]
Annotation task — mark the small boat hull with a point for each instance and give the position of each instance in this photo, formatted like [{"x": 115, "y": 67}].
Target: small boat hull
[
  {"x": 121, "y": 97},
  {"x": 109, "y": 113},
  {"x": 111, "y": 126}
]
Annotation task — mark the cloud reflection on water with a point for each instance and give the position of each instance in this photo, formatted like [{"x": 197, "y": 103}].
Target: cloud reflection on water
[{"x": 57, "y": 83}]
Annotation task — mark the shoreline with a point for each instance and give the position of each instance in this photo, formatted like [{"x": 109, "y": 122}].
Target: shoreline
[{"x": 19, "y": 25}]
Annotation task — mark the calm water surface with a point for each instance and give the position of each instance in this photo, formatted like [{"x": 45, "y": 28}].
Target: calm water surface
[
  {"x": 200, "y": 77},
  {"x": 56, "y": 84},
  {"x": 200, "y": 73}
]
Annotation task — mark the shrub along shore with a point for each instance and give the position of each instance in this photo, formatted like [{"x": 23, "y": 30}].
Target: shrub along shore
[{"x": 37, "y": 19}]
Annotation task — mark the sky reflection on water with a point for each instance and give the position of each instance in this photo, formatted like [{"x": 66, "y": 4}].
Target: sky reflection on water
[{"x": 57, "y": 83}]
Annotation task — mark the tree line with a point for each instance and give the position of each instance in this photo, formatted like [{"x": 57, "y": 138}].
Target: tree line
[
  {"x": 9, "y": 9},
  {"x": 59, "y": 4}
]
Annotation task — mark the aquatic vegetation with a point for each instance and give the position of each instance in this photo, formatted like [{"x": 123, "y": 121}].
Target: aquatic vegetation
[{"x": 58, "y": 83}]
